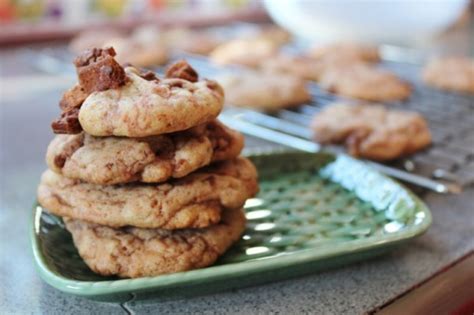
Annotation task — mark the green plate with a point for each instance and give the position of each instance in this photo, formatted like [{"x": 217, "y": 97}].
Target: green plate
[{"x": 314, "y": 211}]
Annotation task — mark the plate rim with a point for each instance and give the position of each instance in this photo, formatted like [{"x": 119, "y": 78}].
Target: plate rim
[{"x": 107, "y": 287}]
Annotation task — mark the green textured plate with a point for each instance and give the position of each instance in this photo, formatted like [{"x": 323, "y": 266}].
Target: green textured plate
[{"x": 314, "y": 211}]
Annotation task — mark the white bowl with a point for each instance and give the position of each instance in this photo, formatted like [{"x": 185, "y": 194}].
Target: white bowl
[{"x": 377, "y": 21}]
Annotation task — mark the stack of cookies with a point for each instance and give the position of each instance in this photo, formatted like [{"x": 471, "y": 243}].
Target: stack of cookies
[{"x": 146, "y": 179}]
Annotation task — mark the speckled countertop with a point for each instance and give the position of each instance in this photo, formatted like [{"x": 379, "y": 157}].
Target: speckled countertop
[{"x": 357, "y": 288}]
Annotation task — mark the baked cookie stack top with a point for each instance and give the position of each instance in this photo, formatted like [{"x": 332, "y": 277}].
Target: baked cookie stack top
[{"x": 146, "y": 179}]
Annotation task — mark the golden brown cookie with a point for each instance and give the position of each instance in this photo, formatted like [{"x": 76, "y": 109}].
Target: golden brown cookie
[
  {"x": 365, "y": 82},
  {"x": 275, "y": 34},
  {"x": 303, "y": 67},
  {"x": 191, "y": 41},
  {"x": 131, "y": 252},
  {"x": 306, "y": 67},
  {"x": 372, "y": 131},
  {"x": 154, "y": 159},
  {"x": 264, "y": 90},
  {"x": 193, "y": 201},
  {"x": 139, "y": 53},
  {"x": 91, "y": 39},
  {"x": 348, "y": 50},
  {"x": 144, "y": 107},
  {"x": 247, "y": 52},
  {"x": 451, "y": 73}
]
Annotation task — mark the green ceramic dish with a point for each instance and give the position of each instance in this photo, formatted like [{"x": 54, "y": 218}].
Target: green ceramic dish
[{"x": 314, "y": 211}]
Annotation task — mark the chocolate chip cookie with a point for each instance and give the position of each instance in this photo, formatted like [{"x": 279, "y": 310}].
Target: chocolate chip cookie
[
  {"x": 372, "y": 131},
  {"x": 365, "y": 82},
  {"x": 451, "y": 74},
  {"x": 264, "y": 90},
  {"x": 347, "y": 50},
  {"x": 247, "y": 52},
  {"x": 154, "y": 159},
  {"x": 193, "y": 201},
  {"x": 131, "y": 252}
]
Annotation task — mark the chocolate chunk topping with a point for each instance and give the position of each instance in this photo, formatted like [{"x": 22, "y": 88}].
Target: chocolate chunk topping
[
  {"x": 149, "y": 76},
  {"x": 182, "y": 70},
  {"x": 90, "y": 56},
  {"x": 68, "y": 122},
  {"x": 98, "y": 71},
  {"x": 73, "y": 98}
]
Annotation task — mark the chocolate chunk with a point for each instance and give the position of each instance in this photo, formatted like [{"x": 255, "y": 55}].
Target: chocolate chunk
[
  {"x": 149, "y": 75},
  {"x": 73, "y": 98},
  {"x": 91, "y": 56},
  {"x": 68, "y": 123},
  {"x": 182, "y": 70},
  {"x": 97, "y": 70}
]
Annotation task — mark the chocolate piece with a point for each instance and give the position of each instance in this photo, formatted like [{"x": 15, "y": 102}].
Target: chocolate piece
[
  {"x": 68, "y": 122},
  {"x": 73, "y": 98},
  {"x": 97, "y": 70},
  {"x": 182, "y": 70},
  {"x": 148, "y": 75}
]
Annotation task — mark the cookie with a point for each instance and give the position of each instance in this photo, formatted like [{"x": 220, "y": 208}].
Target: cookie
[
  {"x": 264, "y": 90},
  {"x": 91, "y": 39},
  {"x": 193, "y": 201},
  {"x": 348, "y": 51},
  {"x": 131, "y": 252},
  {"x": 306, "y": 67},
  {"x": 197, "y": 43},
  {"x": 194, "y": 42},
  {"x": 138, "y": 53},
  {"x": 303, "y": 67},
  {"x": 144, "y": 107},
  {"x": 275, "y": 34},
  {"x": 366, "y": 83},
  {"x": 154, "y": 159},
  {"x": 451, "y": 74},
  {"x": 372, "y": 131},
  {"x": 247, "y": 52}
]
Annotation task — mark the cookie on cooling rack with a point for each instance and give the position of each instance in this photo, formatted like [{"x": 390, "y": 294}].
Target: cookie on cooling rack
[
  {"x": 246, "y": 52},
  {"x": 264, "y": 90},
  {"x": 275, "y": 34},
  {"x": 346, "y": 50},
  {"x": 451, "y": 74},
  {"x": 365, "y": 82},
  {"x": 372, "y": 131},
  {"x": 301, "y": 66}
]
